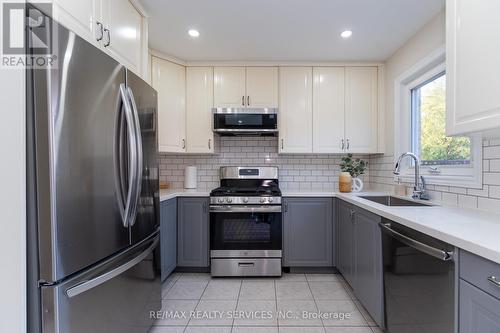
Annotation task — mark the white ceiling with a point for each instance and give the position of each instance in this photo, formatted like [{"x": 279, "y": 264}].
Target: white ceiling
[{"x": 285, "y": 30}]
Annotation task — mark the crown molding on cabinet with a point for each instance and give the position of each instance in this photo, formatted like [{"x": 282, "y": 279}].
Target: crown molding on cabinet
[
  {"x": 140, "y": 8},
  {"x": 167, "y": 57}
]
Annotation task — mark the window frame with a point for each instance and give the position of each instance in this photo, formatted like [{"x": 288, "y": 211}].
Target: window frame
[{"x": 453, "y": 175}]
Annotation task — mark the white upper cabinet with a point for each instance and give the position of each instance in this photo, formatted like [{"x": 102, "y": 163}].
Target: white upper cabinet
[
  {"x": 253, "y": 87},
  {"x": 199, "y": 103},
  {"x": 328, "y": 110},
  {"x": 122, "y": 33},
  {"x": 169, "y": 80},
  {"x": 115, "y": 26},
  {"x": 361, "y": 109},
  {"x": 80, "y": 16},
  {"x": 295, "y": 115},
  {"x": 472, "y": 66},
  {"x": 262, "y": 87},
  {"x": 229, "y": 87}
]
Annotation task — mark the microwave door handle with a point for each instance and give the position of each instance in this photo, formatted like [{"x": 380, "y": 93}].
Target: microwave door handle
[{"x": 139, "y": 160}]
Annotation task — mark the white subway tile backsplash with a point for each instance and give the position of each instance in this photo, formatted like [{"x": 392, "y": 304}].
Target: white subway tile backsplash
[
  {"x": 487, "y": 197},
  {"x": 301, "y": 171}
]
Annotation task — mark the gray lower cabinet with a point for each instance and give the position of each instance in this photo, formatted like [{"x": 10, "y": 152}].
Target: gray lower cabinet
[
  {"x": 479, "y": 290},
  {"x": 360, "y": 256},
  {"x": 308, "y": 232},
  {"x": 368, "y": 273},
  {"x": 168, "y": 237},
  {"x": 193, "y": 232},
  {"x": 345, "y": 241},
  {"x": 479, "y": 311}
]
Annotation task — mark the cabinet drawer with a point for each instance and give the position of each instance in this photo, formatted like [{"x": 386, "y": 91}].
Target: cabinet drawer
[
  {"x": 479, "y": 312},
  {"x": 477, "y": 271}
]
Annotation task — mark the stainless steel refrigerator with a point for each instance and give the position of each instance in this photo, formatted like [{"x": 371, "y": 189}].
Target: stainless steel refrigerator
[{"x": 93, "y": 208}]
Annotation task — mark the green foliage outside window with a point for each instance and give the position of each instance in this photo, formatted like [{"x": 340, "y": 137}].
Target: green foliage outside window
[{"x": 435, "y": 146}]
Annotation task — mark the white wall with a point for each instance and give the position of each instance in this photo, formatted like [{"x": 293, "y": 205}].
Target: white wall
[
  {"x": 428, "y": 39},
  {"x": 12, "y": 202},
  {"x": 424, "y": 42}
]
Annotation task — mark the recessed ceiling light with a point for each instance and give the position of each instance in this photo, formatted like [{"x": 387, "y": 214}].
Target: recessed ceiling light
[
  {"x": 193, "y": 33},
  {"x": 346, "y": 34}
]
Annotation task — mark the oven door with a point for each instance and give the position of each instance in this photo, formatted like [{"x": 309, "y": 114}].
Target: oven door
[
  {"x": 228, "y": 121},
  {"x": 245, "y": 231}
]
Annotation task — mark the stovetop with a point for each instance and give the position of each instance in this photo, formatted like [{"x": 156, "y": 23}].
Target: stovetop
[
  {"x": 246, "y": 191},
  {"x": 247, "y": 188}
]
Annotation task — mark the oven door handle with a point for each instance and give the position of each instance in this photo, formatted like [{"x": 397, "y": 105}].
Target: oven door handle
[{"x": 245, "y": 209}]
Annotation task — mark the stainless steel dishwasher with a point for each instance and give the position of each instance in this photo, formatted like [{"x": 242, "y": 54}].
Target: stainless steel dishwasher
[{"x": 419, "y": 281}]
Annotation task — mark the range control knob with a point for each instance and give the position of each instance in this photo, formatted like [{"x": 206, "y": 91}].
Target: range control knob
[
  {"x": 263, "y": 200},
  {"x": 220, "y": 200},
  {"x": 229, "y": 200},
  {"x": 270, "y": 200},
  {"x": 245, "y": 200}
]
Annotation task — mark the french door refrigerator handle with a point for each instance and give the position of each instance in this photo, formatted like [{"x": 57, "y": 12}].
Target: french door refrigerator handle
[
  {"x": 432, "y": 251},
  {"x": 139, "y": 161},
  {"x": 125, "y": 205},
  {"x": 87, "y": 285}
]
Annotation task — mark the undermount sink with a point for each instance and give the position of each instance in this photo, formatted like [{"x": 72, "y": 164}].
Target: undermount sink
[{"x": 389, "y": 200}]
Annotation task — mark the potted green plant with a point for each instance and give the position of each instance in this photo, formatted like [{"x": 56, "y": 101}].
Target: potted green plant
[{"x": 351, "y": 168}]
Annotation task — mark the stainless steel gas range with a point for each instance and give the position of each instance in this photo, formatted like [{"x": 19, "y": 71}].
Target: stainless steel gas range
[{"x": 246, "y": 223}]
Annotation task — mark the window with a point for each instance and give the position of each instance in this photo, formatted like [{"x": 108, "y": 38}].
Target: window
[
  {"x": 428, "y": 116},
  {"x": 420, "y": 118}
]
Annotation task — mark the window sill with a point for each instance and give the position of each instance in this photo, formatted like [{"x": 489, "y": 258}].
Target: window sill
[{"x": 475, "y": 181}]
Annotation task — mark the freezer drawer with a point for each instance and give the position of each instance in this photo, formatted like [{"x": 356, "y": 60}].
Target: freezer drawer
[{"x": 116, "y": 297}]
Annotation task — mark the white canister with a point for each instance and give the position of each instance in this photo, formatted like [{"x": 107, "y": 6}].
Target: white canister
[{"x": 190, "y": 177}]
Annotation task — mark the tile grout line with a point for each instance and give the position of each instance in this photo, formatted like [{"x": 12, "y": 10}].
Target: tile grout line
[
  {"x": 198, "y": 303},
  {"x": 314, "y": 300}
]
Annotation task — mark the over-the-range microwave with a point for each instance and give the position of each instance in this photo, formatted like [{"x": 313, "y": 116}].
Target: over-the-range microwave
[{"x": 245, "y": 121}]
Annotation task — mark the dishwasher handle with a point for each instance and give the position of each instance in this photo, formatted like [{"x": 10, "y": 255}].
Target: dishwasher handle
[{"x": 430, "y": 250}]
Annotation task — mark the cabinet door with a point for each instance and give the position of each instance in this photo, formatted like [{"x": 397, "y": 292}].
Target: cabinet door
[
  {"x": 199, "y": 103},
  {"x": 308, "y": 232},
  {"x": 361, "y": 99},
  {"x": 168, "y": 222},
  {"x": 368, "y": 285},
  {"x": 80, "y": 17},
  {"x": 345, "y": 261},
  {"x": 328, "y": 110},
  {"x": 124, "y": 23},
  {"x": 169, "y": 80},
  {"x": 193, "y": 235},
  {"x": 479, "y": 311},
  {"x": 262, "y": 87},
  {"x": 295, "y": 117},
  {"x": 472, "y": 66},
  {"x": 229, "y": 87}
]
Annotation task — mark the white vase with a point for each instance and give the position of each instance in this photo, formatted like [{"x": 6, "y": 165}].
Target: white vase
[{"x": 357, "y": 184}]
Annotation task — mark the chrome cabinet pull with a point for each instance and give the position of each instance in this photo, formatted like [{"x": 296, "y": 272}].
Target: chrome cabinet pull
[
  {"x": 348, "y": 144},
  {"x": 99, "y": 24},
  {"x": 493, "y": 280},
  {"x": 183, "y": 143},
  {"x": 248, "y": 100},
  {"x": 282, "y": 145},
  {"x": 343, "y": 144},
  {"x": 352, "y": 213},
  {"x": 109, "y": 37},
  {"x": 209, "y": 143},
  {"x": 243, "y": 100}
]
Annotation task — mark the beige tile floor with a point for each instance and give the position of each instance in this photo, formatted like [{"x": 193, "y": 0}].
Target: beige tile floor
[{"x": 197, "y": 303}]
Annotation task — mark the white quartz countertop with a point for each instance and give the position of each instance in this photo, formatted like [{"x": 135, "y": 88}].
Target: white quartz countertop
[
  {"x": 171, "y": 193},
  {"x": 472, "y": 230}
]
